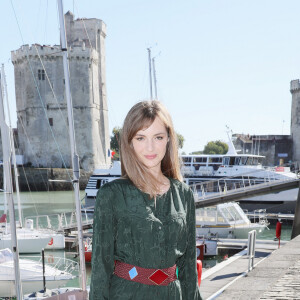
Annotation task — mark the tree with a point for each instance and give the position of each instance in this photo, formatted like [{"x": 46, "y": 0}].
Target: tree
[
  {"x": 196, "y": 152},
  {"x": 180, "y": 140},
  {"x": 215, "y": 147},
  {"x": 115, "y": 142}
]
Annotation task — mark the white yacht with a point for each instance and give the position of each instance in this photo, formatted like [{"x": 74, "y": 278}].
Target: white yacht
[{"x": 231, "y": 166}]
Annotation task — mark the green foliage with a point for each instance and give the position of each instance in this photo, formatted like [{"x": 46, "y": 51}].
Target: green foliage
[
  {"x": 180, "y": 140},
  {"x": 196, "y": 153},
  {"x": 115, "y": 142},
  {"x": 215, "y": 147}
]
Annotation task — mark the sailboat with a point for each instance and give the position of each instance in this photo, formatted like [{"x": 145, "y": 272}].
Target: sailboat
[
  {"x": 30, "y": 240},
  {"x": 70, "y": 293}
]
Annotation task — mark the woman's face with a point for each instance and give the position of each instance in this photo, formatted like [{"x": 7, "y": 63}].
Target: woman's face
[{"x": 150, "y": 145}]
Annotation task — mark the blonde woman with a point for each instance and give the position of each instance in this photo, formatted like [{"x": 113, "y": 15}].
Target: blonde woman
[{"x": 144, "y": 223}]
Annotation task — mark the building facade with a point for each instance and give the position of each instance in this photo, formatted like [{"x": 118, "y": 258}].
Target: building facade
[
  {"x": 277, "y": 149},
  {"x": 41, "y": 103}
]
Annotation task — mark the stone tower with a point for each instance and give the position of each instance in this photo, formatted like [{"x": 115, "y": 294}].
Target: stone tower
[
  {"x": 41, "y": 104},
  {"x": 295, "y": 119}
]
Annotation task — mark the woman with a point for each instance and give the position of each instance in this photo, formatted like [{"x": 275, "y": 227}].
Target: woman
[{"x": 144, "y": 223}]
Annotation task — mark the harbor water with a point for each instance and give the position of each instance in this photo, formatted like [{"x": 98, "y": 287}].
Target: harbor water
[{"x": 45, "y": 203}]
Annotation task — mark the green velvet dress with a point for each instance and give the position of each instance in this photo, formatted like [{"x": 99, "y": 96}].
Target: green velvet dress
[{"x": 129, "y": 228}]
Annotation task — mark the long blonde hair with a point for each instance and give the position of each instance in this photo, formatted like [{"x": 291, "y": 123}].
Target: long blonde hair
[{"x": 141, "y": 116}]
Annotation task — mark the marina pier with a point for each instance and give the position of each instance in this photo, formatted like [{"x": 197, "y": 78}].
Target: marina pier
[{"x": 275, "y": 275}]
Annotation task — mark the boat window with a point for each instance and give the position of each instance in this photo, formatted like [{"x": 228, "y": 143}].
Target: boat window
[
  {"x": 215, "y": 159},
  {"x": 255, "y": 161},
  {"x": 237, "y": 160},
  {"x": 101, "y": 182},
  {"x": 226, "y": 161},
  {"x": 231, "y": 161},
  {"x": 234, "y": 213},
  {"x": 227, "y": 215},
  {"x": 244, "y": 160},
  {"x": 186, "y": 161},
  {"x": 200, "y": 159},
  {"x": 249, "y": 161},
  {"x": 98, "y": 184},
  {"x": 206, "y": 214}
]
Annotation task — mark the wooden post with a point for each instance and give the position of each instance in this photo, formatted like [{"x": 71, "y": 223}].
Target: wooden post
[{"x": 296, "y": 223}]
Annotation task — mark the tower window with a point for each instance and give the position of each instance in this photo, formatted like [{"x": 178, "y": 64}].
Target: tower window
[
  {"x": 41, "y": 74},
  {"x": 51, "y": 121}
]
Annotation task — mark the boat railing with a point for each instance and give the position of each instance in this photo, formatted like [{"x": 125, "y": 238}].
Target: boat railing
[
  {"x": 246, "y": 181},
  {"x": 62, "y": 264},
  {"x": 59, "y": 222}
]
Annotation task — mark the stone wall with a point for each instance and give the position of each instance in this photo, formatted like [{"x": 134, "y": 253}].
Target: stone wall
[
  {"x": 277, "y": 149},
  {"x": 295, "y": 118},
  {"x": 37, "y": 179},
  {"x": 41, "y": 104}
]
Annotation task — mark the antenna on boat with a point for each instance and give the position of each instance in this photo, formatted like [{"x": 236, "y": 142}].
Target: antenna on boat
[{"x": 74, "y": 155}]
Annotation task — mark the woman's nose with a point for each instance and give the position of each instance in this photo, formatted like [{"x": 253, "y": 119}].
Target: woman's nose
[{"x": 150, "y": 145}]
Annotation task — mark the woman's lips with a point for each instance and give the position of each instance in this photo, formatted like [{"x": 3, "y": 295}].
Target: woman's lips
[{"x": 150, "y": 156}]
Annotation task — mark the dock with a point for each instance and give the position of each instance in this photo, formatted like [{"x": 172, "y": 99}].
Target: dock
[{"x": 275, "y": 274}]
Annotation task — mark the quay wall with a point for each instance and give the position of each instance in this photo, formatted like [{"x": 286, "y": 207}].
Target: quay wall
[{"x": 38, "y": 179}]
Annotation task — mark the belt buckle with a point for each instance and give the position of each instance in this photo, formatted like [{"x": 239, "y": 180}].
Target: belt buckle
[{"x": 158, "y": 277}]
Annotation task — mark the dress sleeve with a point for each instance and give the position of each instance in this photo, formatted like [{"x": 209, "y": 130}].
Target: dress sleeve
[
  {"x": 103, "y": 245},
  {"x": 187, "y": 269}
]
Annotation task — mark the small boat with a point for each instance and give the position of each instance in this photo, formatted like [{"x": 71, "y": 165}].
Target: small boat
[
  {"x": 226, "y": 220},
  {"x": 88, "y": 250},
  {"x": 32, "y": 273},
  {"x": 30, "y": 240}
]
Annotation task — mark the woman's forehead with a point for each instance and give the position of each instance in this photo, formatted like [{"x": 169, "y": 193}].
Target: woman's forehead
[{"x": 156, "y": 126}]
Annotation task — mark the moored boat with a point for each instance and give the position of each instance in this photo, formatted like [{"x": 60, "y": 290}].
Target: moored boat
[{"x": 31, "y": 272}]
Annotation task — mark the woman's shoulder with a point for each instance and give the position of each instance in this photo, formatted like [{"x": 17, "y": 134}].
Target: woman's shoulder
[
  {"x": 182, "y": 186},
  {"x": 115, "y": 185}
]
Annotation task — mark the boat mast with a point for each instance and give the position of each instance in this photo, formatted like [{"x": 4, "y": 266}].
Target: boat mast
[
  {"x": 16, "y": 173},
  {"x": 8, "y": 189},
  {"x": 74, "y": 155},
  {"x": 150, "y": 73},
  {"x": 154, "y": 78}
]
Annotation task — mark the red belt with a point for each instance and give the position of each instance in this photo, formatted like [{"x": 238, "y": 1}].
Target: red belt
[{"x": 145, "y": 276}]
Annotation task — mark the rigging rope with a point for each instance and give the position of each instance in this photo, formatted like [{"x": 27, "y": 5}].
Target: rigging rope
[{"x": 39, "y": 94}]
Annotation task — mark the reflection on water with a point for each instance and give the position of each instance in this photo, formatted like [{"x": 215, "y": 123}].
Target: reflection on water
[{"x": 41, "y": 203}]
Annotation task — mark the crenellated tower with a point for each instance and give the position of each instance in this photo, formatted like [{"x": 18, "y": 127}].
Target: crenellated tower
[
  {"x": 295, "y": 119},
  {"x": 41, "y": 103}
]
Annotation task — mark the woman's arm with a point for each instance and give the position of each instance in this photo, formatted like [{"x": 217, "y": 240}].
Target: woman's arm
[
  {"x": 103, "y": 245},
  {"x": 187, "y": 271}
]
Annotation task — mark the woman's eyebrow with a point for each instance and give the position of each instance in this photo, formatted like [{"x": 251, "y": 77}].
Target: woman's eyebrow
[{"x": 160, "y": 133}]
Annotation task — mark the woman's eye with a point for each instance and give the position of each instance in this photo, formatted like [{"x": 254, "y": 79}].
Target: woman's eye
[
  {"x": 139, "y": 139},
  {"x": 160, "y": 138}
]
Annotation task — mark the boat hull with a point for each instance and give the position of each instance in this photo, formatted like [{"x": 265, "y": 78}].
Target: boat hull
[
  {"x": 237, "y": 232},
  {"x": 7, "y": 287},
  {"x": 33, "y": 245}
]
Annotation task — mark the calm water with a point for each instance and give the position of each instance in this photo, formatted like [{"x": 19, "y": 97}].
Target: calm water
[{"x": 45, "y": 203}]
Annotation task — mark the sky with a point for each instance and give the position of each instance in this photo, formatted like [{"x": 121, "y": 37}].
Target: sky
[{"x": 218, "y": 63}]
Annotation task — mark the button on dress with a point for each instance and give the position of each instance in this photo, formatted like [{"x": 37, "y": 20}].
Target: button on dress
[{"x": 130, "y": 228}]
